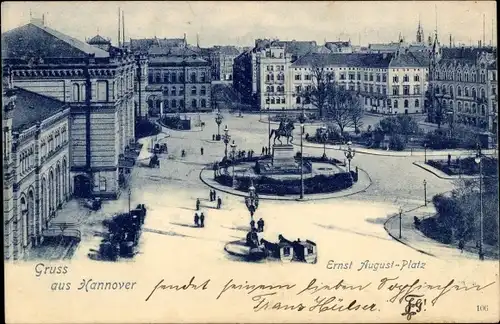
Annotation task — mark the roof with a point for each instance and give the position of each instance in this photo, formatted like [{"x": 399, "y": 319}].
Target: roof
[
  {"x": 171, "y": 51},
  {"x": 338, "y": 44},
  {"x": 32, "y": 107},
  {"x": 144, "y": 44},
  {"x": 410, "y": 59},
  {"x": 296, "y": 48},
  {"x": 41, "y": 41},
  {"x": 371, "y": 60},
  {"x": 468, "y": 54},
  {"x": 176, "y": 60},
  {"x": 227, "y": 50},
  {"x": 98, "y": 39}
]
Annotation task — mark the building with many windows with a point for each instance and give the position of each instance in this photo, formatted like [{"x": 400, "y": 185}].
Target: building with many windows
[
  {"x": 178, "y": 81},
  {"x": 96, "y": 84},
  {"x": 464, "y": 87},
  {"x": 222, "y": 60},
  {"x": 36, "y": 155}
]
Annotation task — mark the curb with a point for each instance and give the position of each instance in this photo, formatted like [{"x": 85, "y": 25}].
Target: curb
[
  {"x": 402, "y": 242},
  {"x": 276, "y": 198},
  {"x": 430, "y": 170},
  {"x": 177, "y": 130}
]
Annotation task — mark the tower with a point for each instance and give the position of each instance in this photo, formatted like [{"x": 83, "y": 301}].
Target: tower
[{"x": 420, "y": 33}]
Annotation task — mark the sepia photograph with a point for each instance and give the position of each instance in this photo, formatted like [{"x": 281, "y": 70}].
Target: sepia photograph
[{"x": 253, "y": 161}]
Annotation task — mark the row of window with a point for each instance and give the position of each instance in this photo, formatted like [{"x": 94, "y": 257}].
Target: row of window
[
  {"x": 406, "y": 103},
  {"x": 406, "y": 78},
  {"x": 270, "y": 89},
  {"x": 173, "y": 77},
  {"x": 173, "y": 103},
  {"x": 448, "y": 90},
  {"x": 279, "y": 77},
  {"x": 102, "y": 90},
  {"x": 278, "y": 68},
  {"x": 53, "y": 141},
  {"x": 406, "y": 90},
  {"x": 194, "y": 91},
  {"x": 465, "y": 107},
  {"x": 462, "y": 76}
]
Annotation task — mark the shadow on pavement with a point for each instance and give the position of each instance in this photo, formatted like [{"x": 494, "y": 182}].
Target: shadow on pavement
[
  {"x": 184, "y": 225},
  {"x": 238, "y": 228}
]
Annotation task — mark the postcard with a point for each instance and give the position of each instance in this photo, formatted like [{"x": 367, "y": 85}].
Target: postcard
[{"x": 257, "y": 162}]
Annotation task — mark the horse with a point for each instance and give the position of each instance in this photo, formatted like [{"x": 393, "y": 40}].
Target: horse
[{"x": 283, "y": 130}]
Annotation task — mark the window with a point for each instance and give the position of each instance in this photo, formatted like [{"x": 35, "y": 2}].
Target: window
[
  {"x": 466, "y": 106},
  {"x": 459, "y": 106},
  {"x": 173, "y": 91},
  {"x": 157, "y": 77},
  {"x": 395, "y": 104},
  {"x": 203, "y": 103},
  {"x": 451, "y": 91},
  {"x": 298, "y": 89},
  {"x": 282, "y": 100},
  {"x": 483, "y": 78},
  {"x": 384, "y": 90},
  {"x": 417, "y": 103},
  {"x": 297, "y": 100},
  {"x": 193, "y": 77},
  {"x": 272, "y": 101},
  {"x": 427, "y": 77},
  {"x": 443, "y": 89},
  {"x": 297, "y": 77},
  {"x": 366, "y": 76},
  {"x": 473, "y": 92},
  {"x": 102, "y": 91},
  {"x": 483, "y": 110},
  {"x": 378, "y": 77},
  {"x": 307, "y": 77},
  {"x": 352, "y": 76},
  {"x": 166, "y": 78},
  {"x": 466, "y": 76},
  {"x": 203, "y": 91},
  {"x": 459, "y": 91},
  {"x": 483, "y": 93},
  {"x": 76, "y": 92},
  {"x": 406, "y": 78},
  {"x": 406, "y": 103},
  {"x": 416, "y": 89},
  {"x": 359, "y": 75},
  {"x": 371, "y": 88},
  {"x": 193, "y": 90},
  {"x": 193, "y": 103},
  {"x": 150, "y": 77},
  {"x": 406, "y": 90},
  {"x": 203, "y": 77},
  {"x": 174, "y": 77},
  {"x": 474, "y": 108},
  {"x": 371, "y": 76},
  {"x": 416, "y": 78},
  {"x": 181, "y": 91},
  {"x": 395, "y": 90},
  {"x": 466, "y": 91},
  {"x": 384, "y": 77},
  {"x": 342, "y": 76},
  {"x": 181, "y": 103},
  {"x": 165, "y": 103},
  {"x": 395, "y": 79}
]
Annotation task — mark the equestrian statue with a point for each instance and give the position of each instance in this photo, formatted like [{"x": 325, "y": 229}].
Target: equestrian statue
[{"x": 285, "y": 129}]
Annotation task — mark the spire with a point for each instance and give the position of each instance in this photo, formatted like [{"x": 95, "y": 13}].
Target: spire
[
  {"x": 484, "y": 33},
  {"x": 119, "y": 26},
  {"x": 197, "y": 40},
  {"x": 123, "y": 28},
  {"x": 185, "y": 41}
]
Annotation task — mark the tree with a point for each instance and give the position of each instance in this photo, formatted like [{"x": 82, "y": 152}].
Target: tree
[
  {"x": 318, "y": 92},
  {"x": 340, "y": 106},
  {"x": 357, "y": 114}
]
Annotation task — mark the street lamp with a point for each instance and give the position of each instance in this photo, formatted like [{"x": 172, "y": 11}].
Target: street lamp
[
  {"x": 268, "y": 130},
  {"x": 425, "y": 193},
  {"x": 400, "y": 221},
  {"x": 302, "y": 119},
  {"x": 425, "y": 152},
  {"x": 252, "y": 201},
  {"x": 478, "y": 160},
  {"x": 233, "y": 150},
  {"x": 226, "y": 140},
  {"x": 323, "y": 137},
  {"x": 349, "y": 154},
  {"x": 218, "y": 121}
]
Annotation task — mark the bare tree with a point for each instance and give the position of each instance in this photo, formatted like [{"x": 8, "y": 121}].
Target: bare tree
[
  {"x": 340, "y": 106},
  {"x": 318, "y": 92},
  {"x": 357, "y": 113}
]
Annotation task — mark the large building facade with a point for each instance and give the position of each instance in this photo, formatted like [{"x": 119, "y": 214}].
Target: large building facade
[
  {"x": 463, "y": 87},
  {"x": 96, "y": 84},
  {"x": 178, "y": 81},
  {"x": 36, "y": 154}
]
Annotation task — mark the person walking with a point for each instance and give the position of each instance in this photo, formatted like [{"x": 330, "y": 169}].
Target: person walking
[
  {"x": 196, "y": 219},
  {"x": 263, "y": 150},
  {"x": 461, "y": 245},
  {"x": 252, "y": 225},
  {"x": 219, "y": 203},
  {"x": 210, "y": 195},
  {"x": 213, "y": 137},
  {"x": 197, "y": 203},
  {"x": 260, "y": 225},
  {"x": 202, "y": 220},
  {"x": 201, "y": 150}
]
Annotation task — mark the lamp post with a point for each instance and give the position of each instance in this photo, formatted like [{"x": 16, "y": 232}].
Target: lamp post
[
  {"x": 425, "y": 152},
  {"x": 252, "y": 201},
  {"x": 218, "y": 121},
  {"x": 400, "y": 221},
  {"x": 478, "y": 160},
  {"x": 226, "y": 140},
  {"x": 425, "y": 193},
  {"x": 268, "y": 130},
  {"x": 450, "y": 121},
  {"x": 233, "y": 151},
  {"x": 349, "y": 154},
  {"x": 302, "y": 119},
  {"x": 323, "y": 137}
]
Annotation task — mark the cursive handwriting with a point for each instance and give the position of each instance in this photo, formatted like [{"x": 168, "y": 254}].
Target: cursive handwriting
[
  {"x": 190, "y": 285},
  {"x": 404, "y": 290},
  {"x": 417, "y": 305},
  {"x": 252, "y": 288},
  {"x": 312, "y": 288},
  {"x": 321, "y": 304}
]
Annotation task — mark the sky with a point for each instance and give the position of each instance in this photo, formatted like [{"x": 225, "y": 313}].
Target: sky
[{"x": 240, "y": 23}]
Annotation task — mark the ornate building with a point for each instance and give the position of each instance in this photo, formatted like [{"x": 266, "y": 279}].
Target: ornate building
[
  {"x": 36, "y": 165},
  {"x": 97, "y": 85},
  {"x": 463, "y": 87}
]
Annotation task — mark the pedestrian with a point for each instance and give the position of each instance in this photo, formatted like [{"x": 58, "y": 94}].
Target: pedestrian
[
  {"x": 201, "y": 150},
  {"x": 461, "y": 246},
  {"x": 214, "y": 196},
  {"x": 265, "y": 150},
  {"x": 202, "y": 220},
  {"x": 211, "y": 193},
  {"x": 219, "y": 203},
  {"x": 213, "y": 137},
  {"x": 252, "y": 225},
  {"x": 183, "y": 153},
  {"x": 197, "y": 203},
  {"x": 260, "y": 225},
  {"x": 196, "y": 219},
  {"x": 262, "y": 150}
]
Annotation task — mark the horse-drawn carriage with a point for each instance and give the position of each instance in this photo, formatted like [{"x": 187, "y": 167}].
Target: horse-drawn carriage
[{"x": 285, "y": 250}]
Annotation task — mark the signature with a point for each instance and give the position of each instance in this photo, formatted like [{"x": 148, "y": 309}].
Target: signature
[{"x": 414, "y": 305}]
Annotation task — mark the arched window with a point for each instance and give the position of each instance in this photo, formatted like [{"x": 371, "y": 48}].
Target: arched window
[
  {"x": 483, "y": 77},
  {"x": 406, "y": 103},
  {"x": 466, "y": 79},
  {"x": 459, "y": 91},
  {"x": 203, "y": 103},
  {"x": 268, "y": 78},
  {"x": 443, "y": 89},
  {"x": 466, "y": 106},
  {"x": 395, "y": 104},
  {"x": 466, "y": 91},
  {"x": 24, "y": 215},
  {"x": 473, "y": 92},
  {"x": 203, "y": 77},
  {"x": 174, "y": 103},
  {"x": 193, "y": 103},
  {"x": 483, "y": 93},
  {"x": 173, "y": 91},
  {"x": 459, "y": 106},
  {"x": 474, "y": 77},
  {"x": 203, "y": 91},
  {"x": 483, "y": 110},
  {"x": 64, "y": 179},
  {"x": 474, "y": 108},
  {"x": 193, "y": 77},
  {"x": 76, "y": 92},
  {"x": 58, "y": 184},
  {"x": 193, "y": 90},
  {"x": 451, "y": 91}
]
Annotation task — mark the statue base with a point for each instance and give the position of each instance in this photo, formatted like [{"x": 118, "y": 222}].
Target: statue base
[{"x": 283, "y": 156}]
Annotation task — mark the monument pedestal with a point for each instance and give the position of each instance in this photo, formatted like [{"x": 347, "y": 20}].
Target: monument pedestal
[{"x": 283, "y": 157}]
